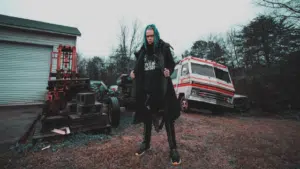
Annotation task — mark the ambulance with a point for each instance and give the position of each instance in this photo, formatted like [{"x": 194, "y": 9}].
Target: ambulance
[{"x": 201, "y": 83}]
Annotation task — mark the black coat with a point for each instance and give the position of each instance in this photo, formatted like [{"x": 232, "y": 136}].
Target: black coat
[{"x": 171, "y": 103}]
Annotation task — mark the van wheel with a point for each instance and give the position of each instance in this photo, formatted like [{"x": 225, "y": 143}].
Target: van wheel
[{"x": 184, "y": 105}]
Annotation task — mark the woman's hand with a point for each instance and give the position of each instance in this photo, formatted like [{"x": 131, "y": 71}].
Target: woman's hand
[
  {"x": 132, "y": 75},
  {"x": 167, "y": 72}
]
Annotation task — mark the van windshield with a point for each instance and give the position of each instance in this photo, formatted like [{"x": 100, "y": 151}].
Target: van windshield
[
  {"x": 210, "y": 71},
  {"x": 222, "y": 75},
  {"x": 204, "y": 70}
]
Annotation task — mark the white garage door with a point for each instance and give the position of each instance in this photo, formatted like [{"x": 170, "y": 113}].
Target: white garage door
[{"x": 24, "y": 71}]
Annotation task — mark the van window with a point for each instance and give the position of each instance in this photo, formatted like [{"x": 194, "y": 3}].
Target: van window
[
  {"x": 174, "y": 74},
  {"x": 201, "y": 69},
  {"x": 222, "y": 75},
  {"x": 187, "y": 68}
]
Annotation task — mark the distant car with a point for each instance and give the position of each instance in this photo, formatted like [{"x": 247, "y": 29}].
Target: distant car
[
  {"x": 114, "y": 88},
  {"x": 101, "y": 90},
  {"x": 95, "y": 84},
  {"x": 241, "y": 103}
]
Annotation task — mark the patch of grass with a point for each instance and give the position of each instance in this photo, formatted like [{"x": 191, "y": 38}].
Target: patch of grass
[
  {"x": 232, "y": 162},
  {"x": 188, "y": 137},
  {"x": 74, "y": 140},
  {"x": 125, "y": 122}
]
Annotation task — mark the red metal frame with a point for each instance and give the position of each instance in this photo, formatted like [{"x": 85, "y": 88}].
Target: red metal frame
[
  {"x": 66, "y": 68},
  {"x": 65, "y": 55},
  {"x": 61, "y": 55}
]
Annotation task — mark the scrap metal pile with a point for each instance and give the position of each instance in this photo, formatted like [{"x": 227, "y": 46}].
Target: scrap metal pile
[
  {"x": 71, "y": 104},
  {"x": 103, "y": 93},
  {"x": 126, "y": 87}
]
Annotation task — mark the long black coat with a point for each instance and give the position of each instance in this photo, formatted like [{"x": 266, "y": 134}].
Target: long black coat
[{"x": 171, "y": 103}]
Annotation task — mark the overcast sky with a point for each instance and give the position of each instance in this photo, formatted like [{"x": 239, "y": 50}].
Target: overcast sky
[{"x": 179, "y": 22}]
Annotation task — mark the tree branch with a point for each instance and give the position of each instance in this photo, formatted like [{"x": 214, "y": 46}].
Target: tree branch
[{"x": 278, "y": 5}]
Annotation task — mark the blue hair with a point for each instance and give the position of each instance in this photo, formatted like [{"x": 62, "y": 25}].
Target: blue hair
[{"x": 156, "y": 35}]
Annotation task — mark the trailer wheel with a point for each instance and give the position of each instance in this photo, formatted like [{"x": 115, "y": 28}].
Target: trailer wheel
[
  {"x": 107, "y": 131},
  {"x": 114, "y": 111}
]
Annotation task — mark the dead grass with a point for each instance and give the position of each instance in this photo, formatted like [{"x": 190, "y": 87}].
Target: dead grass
[{"x": 204, "y": 142}]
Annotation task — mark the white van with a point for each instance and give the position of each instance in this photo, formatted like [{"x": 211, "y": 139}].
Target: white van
[{"x": 201, "y": 83}]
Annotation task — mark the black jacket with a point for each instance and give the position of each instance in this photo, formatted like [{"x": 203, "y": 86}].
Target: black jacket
[{"x": 171, "y": 105}]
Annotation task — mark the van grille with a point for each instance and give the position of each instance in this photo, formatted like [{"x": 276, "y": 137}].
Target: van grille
[{"x": 221, "y": 98}]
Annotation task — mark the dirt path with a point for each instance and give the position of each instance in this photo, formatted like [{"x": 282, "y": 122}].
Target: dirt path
[{"x": 204, "y": 142}]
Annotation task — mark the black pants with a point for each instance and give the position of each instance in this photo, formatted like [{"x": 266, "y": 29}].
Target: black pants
[
  {"x": 169, "y": 125},
  {"x": 170, "y": 133}
]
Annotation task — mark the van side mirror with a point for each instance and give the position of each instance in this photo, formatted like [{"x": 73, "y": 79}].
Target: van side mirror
[{"x": 184, "y": 70}]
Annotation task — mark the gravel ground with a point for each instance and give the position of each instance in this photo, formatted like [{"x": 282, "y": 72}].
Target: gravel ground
[{"x": 208, "y": 142}]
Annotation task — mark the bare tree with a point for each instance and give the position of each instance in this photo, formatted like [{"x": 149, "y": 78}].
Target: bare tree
[
  {"x": 232, "y": 47},
  {"x": 129, "y": 42},
  {"x": 282, "y": 8},
  {"x": 289, "y": 5},
  {"x": 81, "y": 65}
]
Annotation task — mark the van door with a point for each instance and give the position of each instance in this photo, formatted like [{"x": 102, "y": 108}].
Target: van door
[{"x": 184, "y": 73}]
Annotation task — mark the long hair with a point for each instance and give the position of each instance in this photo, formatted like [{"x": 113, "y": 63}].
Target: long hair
[{"x": 156, "y": 35}]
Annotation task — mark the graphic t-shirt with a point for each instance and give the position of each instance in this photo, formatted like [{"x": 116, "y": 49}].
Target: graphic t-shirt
[{"x": 152, "y": 74}]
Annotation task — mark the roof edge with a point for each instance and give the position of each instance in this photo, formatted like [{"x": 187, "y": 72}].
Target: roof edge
[{"x": 40, "y": 30}]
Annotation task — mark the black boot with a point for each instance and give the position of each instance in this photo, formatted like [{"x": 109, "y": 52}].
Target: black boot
[
  {"x": 147, "y": 138},
  {"x": 174, "y": 155}
]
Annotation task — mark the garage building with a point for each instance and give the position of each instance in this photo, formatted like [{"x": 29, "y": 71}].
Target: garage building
[{"x": 25, "y": 51}]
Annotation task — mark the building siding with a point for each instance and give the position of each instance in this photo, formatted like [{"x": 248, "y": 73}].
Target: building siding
[{"x": 43, "y": 43}]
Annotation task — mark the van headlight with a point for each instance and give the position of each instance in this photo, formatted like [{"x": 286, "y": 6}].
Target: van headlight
[
  {"x": 193, "y": 92},
  {"x": 229, "y": 100}
]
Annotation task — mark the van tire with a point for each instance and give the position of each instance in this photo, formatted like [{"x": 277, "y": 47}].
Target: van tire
[{"x": 184, "y": 104}]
